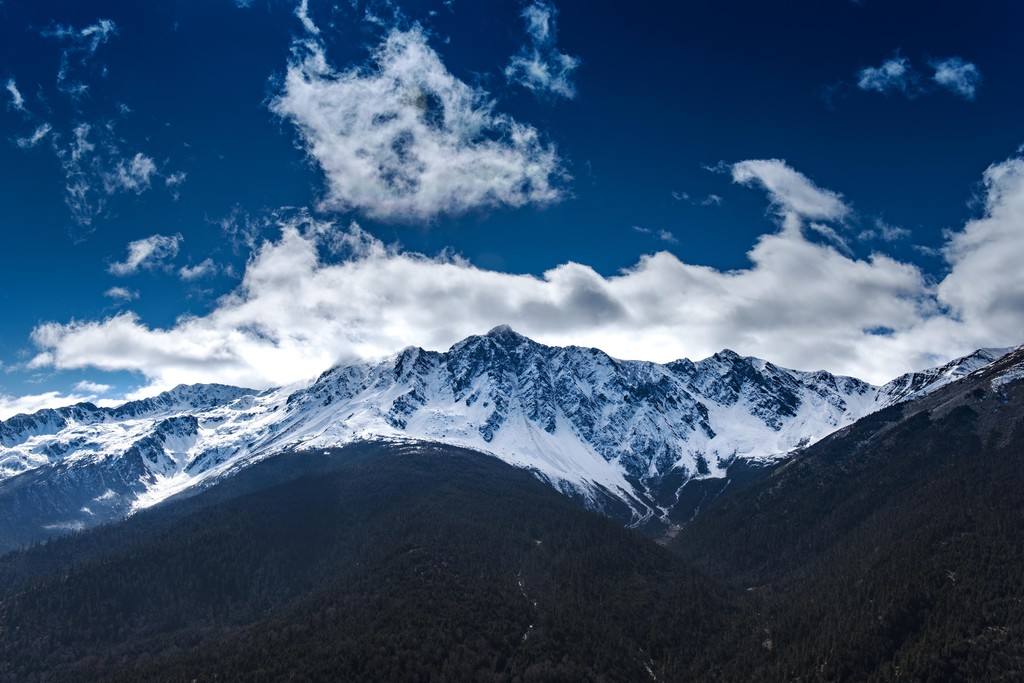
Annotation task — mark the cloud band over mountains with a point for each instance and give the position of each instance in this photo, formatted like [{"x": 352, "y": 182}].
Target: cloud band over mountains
[{"x": 801, "y": 303}]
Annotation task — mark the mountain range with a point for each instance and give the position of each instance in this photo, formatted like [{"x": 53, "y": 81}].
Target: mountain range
[
  {"x": 889, "y": 550},
  {"x": 633, "y": 439}
]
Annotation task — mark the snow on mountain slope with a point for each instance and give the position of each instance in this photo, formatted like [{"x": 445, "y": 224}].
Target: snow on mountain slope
[
  {"x": 915, "y": 384},
  {"x": 591, "y": 425},
  {"x": 28, "y": 441}
]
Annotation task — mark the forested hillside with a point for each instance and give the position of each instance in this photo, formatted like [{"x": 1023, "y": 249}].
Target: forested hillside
[
  {"x": 375, "y": 562},
  {"x": 893, "y": 550}
]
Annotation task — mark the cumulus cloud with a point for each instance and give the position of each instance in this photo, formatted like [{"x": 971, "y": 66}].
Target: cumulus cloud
[
  {"x": 539, "y": 65},
  {"x": 985, "y": 285},
  {"x": 893, "y": 75},
  {"x": 147, "y": 253},
  {"x": 800, "y": 303},
  {"x": 121, "y": 294},
  {"x": 204, "y": 268},
  {"x": 88, "y": 387},
  {"x": 957, "y": 76},
  {"x": 403, "y": 139}
]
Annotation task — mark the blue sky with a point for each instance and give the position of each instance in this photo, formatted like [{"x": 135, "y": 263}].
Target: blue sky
[{"x": 308, "y": 184}]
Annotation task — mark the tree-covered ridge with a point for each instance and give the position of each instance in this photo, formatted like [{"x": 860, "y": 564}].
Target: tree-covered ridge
[{"x": 368, "y": 564}]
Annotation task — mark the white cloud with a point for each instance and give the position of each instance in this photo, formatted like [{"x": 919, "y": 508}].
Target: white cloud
[
  {"x": 709, "y": 200},
  {"x": 884, "y": 231},
  {"x": 89, "y": 38},
  {"x": 985, "y": 285},
  {"x": 661, "y": 234},
  {"x": 94, "y": 169},
  {"x": 15, "y": 405},
  {"x": 130, "y": 175},
  {"x": 957, "y": 76},
  {"x": 175, "y": 179},
  {"x": 302, "y": 12},
  {"x": 80, "y": 45},
  {"x": 790, "y": 191},
  {"x": 204, "y": 268},
  {"x": 539, "y": 65},
  {"x": 17, "y": 101},
  {"x": 121, "y": 294},
  {"x": 38, "y": 134},
  {"x": 894, "y": 74},
  {"x": 88, "y": 387},
  {"x": 799, "y": 303},
  {"x": 832, "y": 235},
  {"x": 90, "y": 151},
  {"x": 406, "y": 140},
  {"x": 147, "y": 253}
]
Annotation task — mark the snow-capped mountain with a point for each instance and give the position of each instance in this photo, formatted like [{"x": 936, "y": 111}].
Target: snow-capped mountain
[
  {"x": 915, "y": 384},
  {"x": 628, "y": 433}
]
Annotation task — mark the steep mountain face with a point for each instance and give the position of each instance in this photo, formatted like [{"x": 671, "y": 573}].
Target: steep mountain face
[
  {"x": 890, "y": 550},
  {"x": 625, "y": 436}
]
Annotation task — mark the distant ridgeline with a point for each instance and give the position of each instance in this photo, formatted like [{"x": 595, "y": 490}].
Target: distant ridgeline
[{"x": 648, "y": 444}]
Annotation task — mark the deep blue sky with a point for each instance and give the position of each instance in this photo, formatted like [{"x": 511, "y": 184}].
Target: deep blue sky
[{"x": 663, "y": 90}]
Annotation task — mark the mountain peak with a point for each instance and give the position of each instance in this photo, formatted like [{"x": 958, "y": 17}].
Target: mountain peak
[{"x": 504, "y": 332}]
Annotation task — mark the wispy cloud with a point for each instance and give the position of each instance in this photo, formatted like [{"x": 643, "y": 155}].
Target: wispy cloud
[
  {"x": 204, "y": 268},
  {"x": 884, "y": 231},
  {"x": 539, "y": 65},
  {"x": 957, "y": 76},
  {"x": 80, "y": 44},
  {"x": 791, "y": 191},
  {"x": 130, "y": 175},
  {"x": 147, "y": 253},
  {"x": 898, "y": 75},
  {"x": 174, "y": 181},
  {"x": 708, "y": 200},
  {"x": 403, "y": 139},
  {"x": 17, "y": 101},
  {"x": 90, "y": 151},
  {"x": 893, "y": 75},
  {"x": 41, "y": 131},
  {"x": 121, "y": 294},
  {"x": 95, "y": 169},
  {"x": 661, "y": 234},
  {"x": 302, "y": 12}
]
